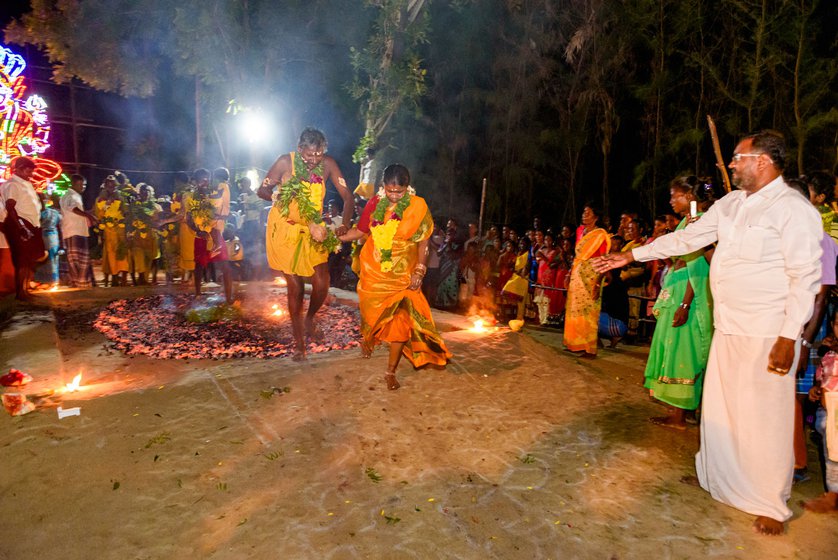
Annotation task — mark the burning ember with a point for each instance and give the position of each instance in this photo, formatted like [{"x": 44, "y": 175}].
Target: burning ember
[
  {"x": 280, "y": 281},
  {"x": 156, "y": 326},
  {"x": 74, "y": 385},
  {"x": 481, "y": 325}
]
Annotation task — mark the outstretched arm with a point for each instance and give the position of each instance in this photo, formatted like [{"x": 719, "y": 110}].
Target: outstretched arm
[{"x": 352, "y": 235}]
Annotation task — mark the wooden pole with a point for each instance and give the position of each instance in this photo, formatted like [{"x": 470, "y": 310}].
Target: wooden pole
[
  {"x": 720, "y": 162},
  {"x": 482, "y": 208}
]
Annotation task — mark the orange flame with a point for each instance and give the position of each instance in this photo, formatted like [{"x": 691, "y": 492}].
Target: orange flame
[
  {"x": 479, "y": 326},
  {"x": 74, "y": 385}
]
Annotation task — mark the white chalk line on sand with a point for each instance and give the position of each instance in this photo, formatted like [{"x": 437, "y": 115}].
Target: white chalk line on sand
[{"x": 263, "y": 438}]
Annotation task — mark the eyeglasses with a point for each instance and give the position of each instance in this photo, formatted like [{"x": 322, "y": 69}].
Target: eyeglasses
[{"x": 737, "y": 157}]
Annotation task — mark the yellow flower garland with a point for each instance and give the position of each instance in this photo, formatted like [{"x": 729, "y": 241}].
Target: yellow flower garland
[{"x": 382, "y": 237}]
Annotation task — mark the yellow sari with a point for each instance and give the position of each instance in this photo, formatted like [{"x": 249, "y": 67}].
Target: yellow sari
[
  {"x": 290, "y": 247},
  {"x": 390, "y": 311},
  {"x": 582, "y": 310}
]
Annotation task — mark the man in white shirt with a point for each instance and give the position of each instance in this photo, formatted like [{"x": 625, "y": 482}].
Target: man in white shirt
[
  {"x": 764, "y": 276},
  {"x": 22, "y": 223},
  {"x": 75, "y": 226}
]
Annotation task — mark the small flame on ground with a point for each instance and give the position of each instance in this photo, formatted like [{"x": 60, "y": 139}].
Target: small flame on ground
[
  {"x": 479, "y": 326},
  {"x": 73, "y": 385},
  {"x": 277, "y": 312},
  {"x": 280, "y": 281}
]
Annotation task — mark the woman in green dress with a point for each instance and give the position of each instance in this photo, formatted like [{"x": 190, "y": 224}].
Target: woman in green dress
[{"x": 684, "y": 313}]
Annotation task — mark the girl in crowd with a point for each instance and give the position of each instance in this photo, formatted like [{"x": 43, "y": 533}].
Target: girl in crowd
[
  {"x": 393, "y": 265},
  {"x": 549, "y": 258},
  {"x": 583, "y": 295},
  {"x": 681, "y": 343}
]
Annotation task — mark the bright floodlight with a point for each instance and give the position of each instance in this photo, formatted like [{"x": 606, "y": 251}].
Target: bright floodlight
[
  {"x": 255, "y": 126},
  {"x": 253, "y": 175}
]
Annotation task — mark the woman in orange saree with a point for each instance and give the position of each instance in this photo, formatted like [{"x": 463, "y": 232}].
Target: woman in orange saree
[
  {"x": 583, "y": 292},
  {"x": 393, "y": 265}
]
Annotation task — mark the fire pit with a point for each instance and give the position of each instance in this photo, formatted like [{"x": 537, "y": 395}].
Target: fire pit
[{"x": 157, "y": 326}]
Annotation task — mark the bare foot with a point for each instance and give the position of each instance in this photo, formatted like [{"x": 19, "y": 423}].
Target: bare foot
[
  {"x": 767, "y": 526},
  {"x": 392, "y": 382},
  {"x": 826, "y": 503},
  {"x": 669, "y": 422},
  {"x": 366, "y": 349},
  {"x": 299, "y": 354},
  {"x": 615, "y": 340},
  {"x": 313, "y": 331},
  {"x": 690, "y": 480}
]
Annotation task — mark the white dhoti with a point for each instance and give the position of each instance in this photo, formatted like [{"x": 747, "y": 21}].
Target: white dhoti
[{"x": 746, "y": 459}]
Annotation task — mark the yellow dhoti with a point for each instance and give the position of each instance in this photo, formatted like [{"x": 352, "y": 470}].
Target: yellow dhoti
[{"x": 290, "y": 246}]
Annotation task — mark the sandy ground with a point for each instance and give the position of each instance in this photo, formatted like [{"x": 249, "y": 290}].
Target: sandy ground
[{"x": 517, "y": 450}]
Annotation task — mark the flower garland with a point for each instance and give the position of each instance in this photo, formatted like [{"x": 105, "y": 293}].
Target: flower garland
[
  {"x": 299, "y": 191},
  {"x": 142, "y": 217},
  {"x": 112, "y": 219},
  {"x": 202, "y": 210},
  {"x": 384, "y": 232}
]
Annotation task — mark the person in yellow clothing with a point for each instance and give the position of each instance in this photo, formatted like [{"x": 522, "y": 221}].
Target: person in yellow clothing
[
  {"x": 110, "y": 211},
  {"x": 142, "y": 236},
  {"x": 393, "y": 266},
  {"x": 207, "y": 212},
  {"x": 295, "y": 231},
  {"x": 186, "y": 237}
]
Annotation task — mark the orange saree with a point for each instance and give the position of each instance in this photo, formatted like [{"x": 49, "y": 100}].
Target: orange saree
[
  {"x": 582, "y": 310},
  {"x": 390, "y": 311}
]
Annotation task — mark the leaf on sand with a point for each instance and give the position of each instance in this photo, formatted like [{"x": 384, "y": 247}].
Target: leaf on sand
[
  {"x": 527, "y": 459},
  {"x": 273, "y": 456},
  {"x": 159, "y": 439},
  {"x": 373, "y": 475},
  {"x": 115, "y": 485},
  {"x": 270, "y": 392},
  {"x": 391, "y": 520}
]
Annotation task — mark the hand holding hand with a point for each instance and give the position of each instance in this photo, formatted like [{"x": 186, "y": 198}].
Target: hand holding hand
[
  {"x": 318, "y": 232},
  {"x": 341, "y": 230}
]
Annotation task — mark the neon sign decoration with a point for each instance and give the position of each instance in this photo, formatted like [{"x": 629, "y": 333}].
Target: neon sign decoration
[{"x": 24, "y": 126}]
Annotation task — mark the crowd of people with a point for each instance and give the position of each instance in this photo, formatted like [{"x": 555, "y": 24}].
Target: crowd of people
[{"x": 721, "y": 341}]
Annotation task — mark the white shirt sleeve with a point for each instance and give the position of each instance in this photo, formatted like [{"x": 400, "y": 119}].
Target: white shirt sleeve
[
  {"x": 696, "y": 235},
  {"x": 801, "y": 249}
]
